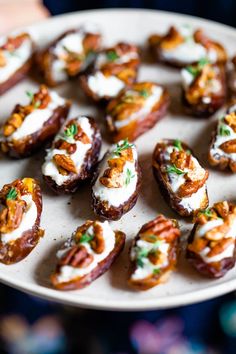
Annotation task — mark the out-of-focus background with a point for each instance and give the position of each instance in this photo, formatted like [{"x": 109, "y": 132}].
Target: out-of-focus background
[{"x": 29, "y": 325}]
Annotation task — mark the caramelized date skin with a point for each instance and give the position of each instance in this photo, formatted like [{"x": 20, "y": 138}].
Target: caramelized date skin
[
  {"x": 14, "y": 252},
  {"x": 87, "y": 169},
  {"x": 30, "y": 144},
  {"x": 99, "y": 270},
  {"x": 110, "y": 212},
  {"x": 171, "y": 199},
  {"x": 212, "y": 270}
]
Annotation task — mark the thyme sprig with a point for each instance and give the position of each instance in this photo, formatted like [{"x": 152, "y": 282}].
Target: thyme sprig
[{"x": 12, "y": 194}]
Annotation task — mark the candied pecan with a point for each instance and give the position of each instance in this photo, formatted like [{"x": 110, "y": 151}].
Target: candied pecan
[
  {"x": 217, "y": 232},
  {"x": 154, "y": 39},
  {"x": 98, "y": 242},
  {"x": 64, "y": 162},
  {"x": 229, "y": 146},
  {"x": 82, "y": 136},
  {"x": 160, "y": 227},
  {"x": 198, "y": 245},
  {"x": 117, "y": 163},
  {"x": 14, "y": 42},
  {"x": 230, "y": 119},
  {"x": 220, "y": 246},
  {"x": 200, "y": 37},
  {"x": 91, "y": 42},
  {"x": 73, "y": 64},
  {"x": 172, "y": 39},
  {"x": 42, "y": 97},
  {"x": 77, "y": 257},
  {"x": 190, "y": 187},
  {"x": 14, "y": 122},
  {"x": 3, "y": 61},
  {"x": 127, "y": 154},
  {"x": 64, "y": 145},
  {"x": 11, "y": 215},
  {"x": 82, "y": 229},
  {"x": 112, "y": 178},
  {"x": 181, "y": 159},
  {"x": 222, "y": 208}
]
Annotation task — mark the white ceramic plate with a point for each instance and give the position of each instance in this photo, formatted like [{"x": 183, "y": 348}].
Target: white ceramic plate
[{"x": 62, "y": 214}]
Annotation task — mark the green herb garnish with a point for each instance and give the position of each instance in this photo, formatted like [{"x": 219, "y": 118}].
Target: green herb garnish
[
  {"x": 12, "y": 194},
  {"x": 129, "y": 176},
  {"x": 119, "y": 148},
  {"x": 195, "y": 70},
  {"x": 156, "y": 271},
  {"x": 86, "y": 238},
  {"x": 207, "y": 212},
  {"x": 30, "y": 95},
  {"x": 178, "y": 145},
  {"x": 71, "y": 131},
  {"x": 224, "y": 130},
  {"x": 142, "y": 253},
  {"x": 112, "y": 55},
  {"x": 144, "y": 93},
  {"x": 174, "y": 169}
]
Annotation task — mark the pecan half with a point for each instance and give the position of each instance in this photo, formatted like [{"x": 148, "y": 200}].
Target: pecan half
[
  {"x": 230, "y": 119},
  {"x": 171, "y": 40},
  {"x": 11, "y": 216},
  {"x": 64, "y": 145},
  {"x": 64, "y": 162},
  {"x": 77, "y": 257},
  {"x": 159, "y": 228},
  {"x": 220, "y": 246},
  {"x": 98, "y": 242},
  {"x": 229, "y": 146}
]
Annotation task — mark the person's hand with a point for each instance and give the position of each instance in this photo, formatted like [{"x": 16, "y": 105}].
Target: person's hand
[{"x": 15, "y": 13}]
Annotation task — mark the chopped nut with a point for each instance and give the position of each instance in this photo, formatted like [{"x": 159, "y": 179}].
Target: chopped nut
[
  {"x": 64, "y": 145},
  {"x": 64, "y": 162},
  {"x": 3, "y": 61},
  {"x": 230, "y": 119},
  {"x": 11, "y": 215},
  {"x": 98, "y": 242},
  {"x": 220, "y": 247},
  {"x": 222, "y": 208},
  {"x": 229, "y": 146}
]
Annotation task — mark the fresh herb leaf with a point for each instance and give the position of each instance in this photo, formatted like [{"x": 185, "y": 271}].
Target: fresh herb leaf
[
  {"x": 207, "y": 212},
  {"x": 224, "y": 130},
  {"x": 30, "y": 95},
  {"x": 14, "y": 54},
  {"x": 86, "y": 238},
  {"x": 112, "y": 55},
  {"x": 156, "y": 271},
  {"x": 119, "y": 148},
  {"x": 144, "y": 93},
  {"x": 12, "y": 194},
  {"x": 142, "y": 253},
  {"x": 195, "y": 70},
  {"x": 129, "y": 176},
  {"x": 178, "y": 145},
  {"x": 174, "y": 169},
  {"x": 71, "y": 131}
]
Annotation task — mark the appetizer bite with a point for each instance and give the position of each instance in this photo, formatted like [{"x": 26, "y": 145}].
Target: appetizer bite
[
  {"x": 136, "y": 109},
  {"x": 90, "y": 252},
  {"x": 204, "y": 88},
  {"x": 15, "y": 59},
  {"x": 30, "y": 126},
  {"x": 113, "y": 69},
  {"x": 21, "y": 208},
  {"x": 154, "y": 253},
  {"x": 181, "y": 178},
  {"x": 183, "y": 45},
  {"x": 68, "y": 55},
  {"x": 211, "y": 244},
  {"x": 73, "y": 154},
  {"x": 116, "y": 187},
  {"x": 222, "y": 152}
]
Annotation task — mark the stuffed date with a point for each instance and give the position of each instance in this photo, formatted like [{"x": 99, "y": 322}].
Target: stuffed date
[
  {"x": 183, "y": 45},
  {"x": 114, "y": 68},
  {"x": 30, "y": 126},
  {"x": 116, "y": 187},
  {"x": 204, "y": 88},
  {"x": 181, "y": 178},
  {"x": 90, "y": 252},
  {"x": 211, "y": 244},
  {"x": 16, "y": 53},
  {"x": 222, "y": 152},
  {"x": 136, "y": 110},
  {"x": 154, "y": 253},
  {"x": 68, "y": 55},
  {"x": 73, "y": 154},
  {"x": 21, "y": 207}
]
